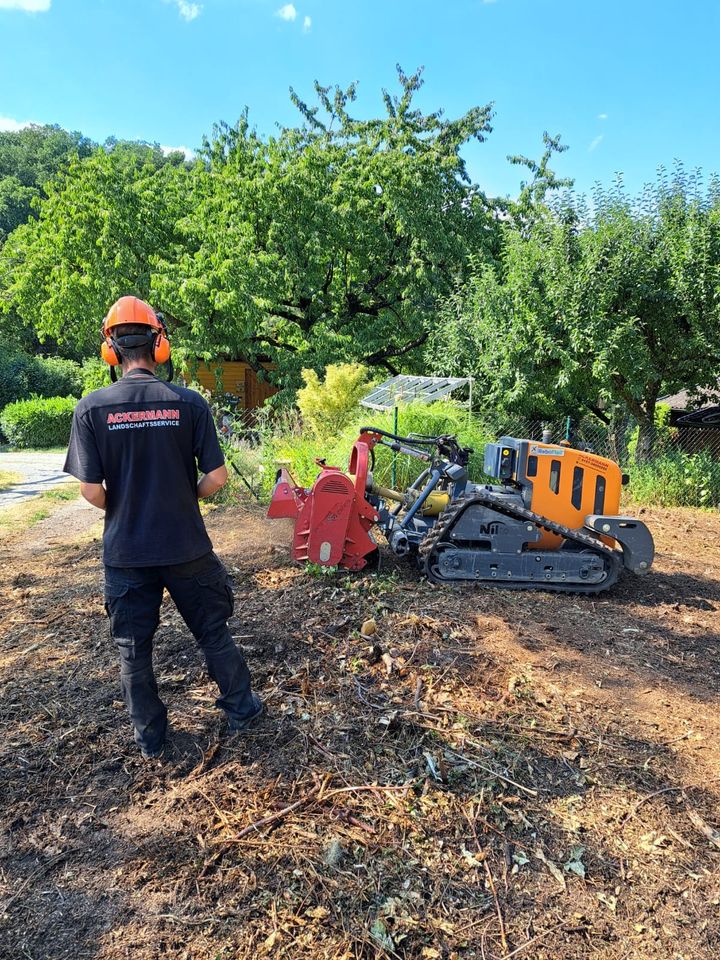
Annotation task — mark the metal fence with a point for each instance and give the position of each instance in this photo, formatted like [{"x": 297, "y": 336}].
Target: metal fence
[
  {"x": 618, "y": 439},
  {"x": 683, "y": 470}
]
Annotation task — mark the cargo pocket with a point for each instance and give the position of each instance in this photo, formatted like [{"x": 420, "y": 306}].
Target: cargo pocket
[
  {"x": 119, "y": 613},
  {"x": 217, "y": 591}
]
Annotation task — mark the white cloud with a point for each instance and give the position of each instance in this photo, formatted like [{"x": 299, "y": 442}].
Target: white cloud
[
  {"x": 288, "y": 12},
  {"x": 28, "y": 6},
  {"x": 188, "y": 11},
  {"x": 307, "y": 23},
  {"x": 602, "y": 116},
  {"x": 8, "y": 125},
  {"x": 189, "y": 154},
  {"x": 596, "y": 143}
]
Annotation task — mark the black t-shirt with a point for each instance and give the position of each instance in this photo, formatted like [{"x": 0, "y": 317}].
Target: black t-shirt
[{"x": 146, "y": 439}]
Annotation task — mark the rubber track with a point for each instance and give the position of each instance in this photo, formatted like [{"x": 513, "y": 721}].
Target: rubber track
[{"x": 446, "y": 520}]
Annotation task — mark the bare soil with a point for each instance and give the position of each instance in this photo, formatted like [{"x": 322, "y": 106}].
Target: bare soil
[{"x": 488, "y": 775}]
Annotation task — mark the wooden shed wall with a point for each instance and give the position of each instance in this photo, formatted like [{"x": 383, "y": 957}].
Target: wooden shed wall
[{"x": 238, "y": 378}]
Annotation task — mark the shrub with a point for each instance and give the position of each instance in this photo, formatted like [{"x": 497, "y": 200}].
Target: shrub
[
  {"x": 15, "y": 374},
  {"x": 55, "y": 377},
  {"x": 327, "y": 407},
  {"x": 678, "y": 480},
  {"x": 23, "y": 376},
  {"x": 94, "y": 374},
  {"x": 38, "y": 422}
]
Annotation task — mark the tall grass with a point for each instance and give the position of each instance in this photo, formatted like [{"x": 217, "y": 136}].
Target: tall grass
[
  {"x": 678, "y": 480},
  {"x": 290, "y": 444}
]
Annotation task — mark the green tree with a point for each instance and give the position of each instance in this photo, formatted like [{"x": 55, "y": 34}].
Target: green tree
[
  {"x": 620, "y": 307},
  {"x": 29, "y": 158},
  {"x": 104, "y": 222},
  {"x": 15, "y": 205},
  {"x": 332, "y": 241},
  {"x": 543, "y": 180}
]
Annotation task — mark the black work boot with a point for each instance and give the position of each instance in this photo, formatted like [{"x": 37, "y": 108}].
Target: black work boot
[
  {"x": 155, "y": 754},
  {"x": 235, "y": 725}
]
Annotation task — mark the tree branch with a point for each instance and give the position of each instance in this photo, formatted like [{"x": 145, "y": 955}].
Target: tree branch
[
  {"x": 271, "y": 341},
  {"x": 380, "y": 357},
  {"x": 285, "y": 313},
  {"x": 602, "y": 417}
]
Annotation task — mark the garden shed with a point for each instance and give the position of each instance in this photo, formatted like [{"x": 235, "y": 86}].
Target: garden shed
[
  {"x": 238, "y": 378},
  {"x": 692, "y": 439}
]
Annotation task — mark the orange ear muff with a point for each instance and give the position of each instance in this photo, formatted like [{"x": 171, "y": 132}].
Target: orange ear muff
[
  {"x": 108, "y": 353},
  {"x": 161, "y": 349}
]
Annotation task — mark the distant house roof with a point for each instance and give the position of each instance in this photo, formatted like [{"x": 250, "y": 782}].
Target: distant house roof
[{"x": 684, "y": 400}]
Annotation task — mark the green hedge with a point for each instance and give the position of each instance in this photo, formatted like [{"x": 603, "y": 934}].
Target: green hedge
[
  {"x": 56, "y": 377},
  {"x": 23, "y": 376},
  {"x": 95, "y": 373},
  {"x": 38, "y": 422}
]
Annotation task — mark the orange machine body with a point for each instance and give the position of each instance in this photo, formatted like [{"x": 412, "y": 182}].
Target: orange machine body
[{"x": 567, "y": 484}]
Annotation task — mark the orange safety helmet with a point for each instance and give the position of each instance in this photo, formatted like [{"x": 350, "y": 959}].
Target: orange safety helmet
[{"x": 133, "y": 310}]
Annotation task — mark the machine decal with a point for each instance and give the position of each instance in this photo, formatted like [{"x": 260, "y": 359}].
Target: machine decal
[{"x": 548, "y": 451}]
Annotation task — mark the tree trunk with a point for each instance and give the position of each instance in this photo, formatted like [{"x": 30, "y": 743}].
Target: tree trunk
[
  {"x": 646, "y": 435},
  {"x": 617, "y": 435}
]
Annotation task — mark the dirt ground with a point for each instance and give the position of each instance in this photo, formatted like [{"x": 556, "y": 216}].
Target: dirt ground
[{"x": 489, "y": 775}]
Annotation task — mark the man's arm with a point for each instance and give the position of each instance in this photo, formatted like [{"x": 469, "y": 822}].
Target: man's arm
[
  {"x": 211, "y": 482},
  {"x": 83, "y": 459},
  {"x": 207, "y": 452},
  {"x": 94, "y": 493}
]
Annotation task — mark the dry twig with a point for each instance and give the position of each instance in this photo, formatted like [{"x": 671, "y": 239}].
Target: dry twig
[
  {"x": 498, "y": 911},
  {"x": 279, "y": 814}
]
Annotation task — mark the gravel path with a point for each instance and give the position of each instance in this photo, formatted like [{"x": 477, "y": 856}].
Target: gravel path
[{"x": 40, "y": 472}]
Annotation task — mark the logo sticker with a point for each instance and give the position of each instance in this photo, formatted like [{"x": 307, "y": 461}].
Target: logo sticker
[{"x": 548, "y": 451}]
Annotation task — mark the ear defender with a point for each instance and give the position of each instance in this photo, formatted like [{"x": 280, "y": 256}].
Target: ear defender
[
  {"x": 108, "y": 353},
  {"x": 161, "y": 349}
]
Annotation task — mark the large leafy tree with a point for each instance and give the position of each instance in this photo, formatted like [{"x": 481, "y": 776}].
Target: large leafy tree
[
  {"x": 332, "y": 241},
  {"x": 617, "y": 307},
  {"x": 29, "y": 158},
  {"x": 98, "y": 231}
]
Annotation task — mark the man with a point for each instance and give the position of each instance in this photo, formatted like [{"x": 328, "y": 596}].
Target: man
[{"x": 135, "y": 447}]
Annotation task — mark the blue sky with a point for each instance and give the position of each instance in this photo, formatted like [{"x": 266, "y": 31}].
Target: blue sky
[{"x": 629, "y": 85}]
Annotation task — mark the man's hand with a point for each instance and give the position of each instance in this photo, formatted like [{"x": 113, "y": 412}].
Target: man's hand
[
  {"x": 212, "y": 482},
  {"x": 94, "y": 493}
]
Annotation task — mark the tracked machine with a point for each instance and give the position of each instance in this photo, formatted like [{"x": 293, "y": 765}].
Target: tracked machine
[{"x": 550, "y": 521}]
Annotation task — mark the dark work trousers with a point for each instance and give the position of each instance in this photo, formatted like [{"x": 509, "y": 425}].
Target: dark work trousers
[{"x": 202, "y": 593}]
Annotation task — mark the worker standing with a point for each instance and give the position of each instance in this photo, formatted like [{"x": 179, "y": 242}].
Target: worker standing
[{"x": 136, "y": 447}]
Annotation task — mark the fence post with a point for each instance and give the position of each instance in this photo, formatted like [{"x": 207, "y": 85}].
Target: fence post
[{"x": 393, "y": 470}]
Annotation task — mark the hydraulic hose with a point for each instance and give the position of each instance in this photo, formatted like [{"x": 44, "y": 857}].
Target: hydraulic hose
[{"x": 429, "y": 442}]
